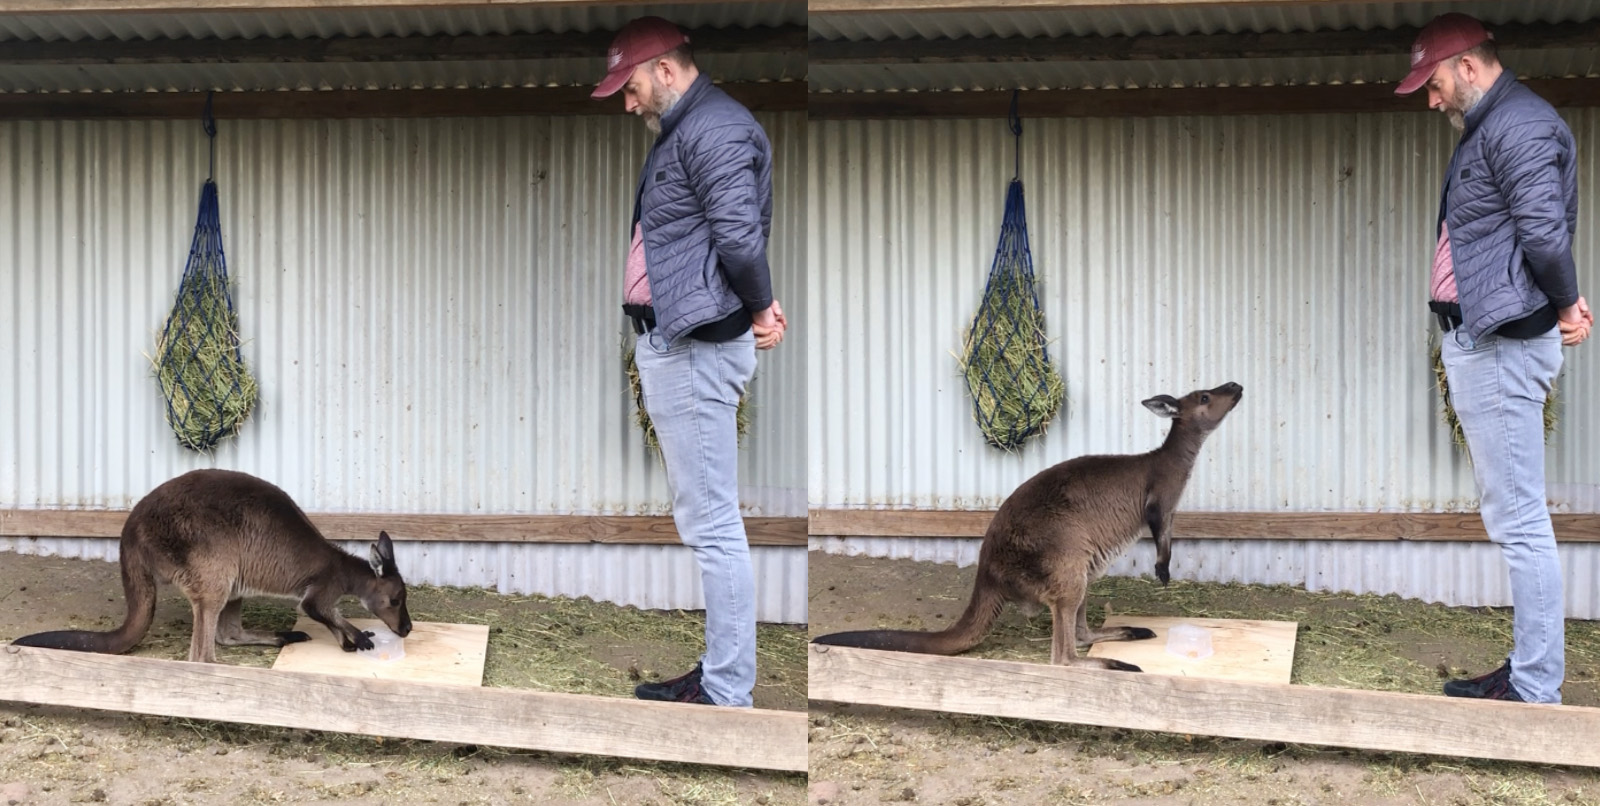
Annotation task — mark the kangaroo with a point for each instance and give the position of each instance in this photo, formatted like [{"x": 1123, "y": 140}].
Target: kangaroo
[
  {"x": 221, "y": 535},
  {"x": 1059, "y": 530}
]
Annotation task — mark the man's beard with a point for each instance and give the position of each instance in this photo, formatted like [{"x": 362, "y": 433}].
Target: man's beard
[
  {"x": 662, "y": 99},
  {"x": 1466, "y": 97}
]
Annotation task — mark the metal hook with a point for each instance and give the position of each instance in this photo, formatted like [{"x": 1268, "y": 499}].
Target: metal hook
[
  {"x": 209, "y": 124},
  {"x": 1014, "y": 120}
]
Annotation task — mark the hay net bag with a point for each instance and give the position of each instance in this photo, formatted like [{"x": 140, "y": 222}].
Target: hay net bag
[
  {"x": 208, "y": 389},
  {"x": 1015, "y": 389}
]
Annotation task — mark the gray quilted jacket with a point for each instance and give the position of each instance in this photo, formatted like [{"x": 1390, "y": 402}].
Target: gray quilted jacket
[
  {"x": 704, "y": 204},
  {"x": 1511, "y": 199}
]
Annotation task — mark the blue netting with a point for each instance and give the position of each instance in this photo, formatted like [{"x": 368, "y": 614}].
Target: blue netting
[
  {"x": 209, "y": 392},
  {"x": 1015, "y": 389}
]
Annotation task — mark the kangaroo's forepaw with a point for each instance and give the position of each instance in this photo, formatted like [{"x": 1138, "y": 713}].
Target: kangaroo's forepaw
[
  {"x": 293, "y": 636},
  {"x": 1139, "y": 633},
  {"x": 1119, "y": 666}
]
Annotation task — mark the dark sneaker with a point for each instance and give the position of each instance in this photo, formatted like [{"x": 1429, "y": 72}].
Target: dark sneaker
[
  {"x": 669, "y": 690},
  {"x": 1478, "y": 686},
  {"x": 694, "y": 694}
]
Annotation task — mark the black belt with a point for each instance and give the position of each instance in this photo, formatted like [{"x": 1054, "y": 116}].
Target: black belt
[
  {"x": 1534, "y": 324},
  {"x": 1448, "y": 314},
  {"x": 725, "y": 329}
]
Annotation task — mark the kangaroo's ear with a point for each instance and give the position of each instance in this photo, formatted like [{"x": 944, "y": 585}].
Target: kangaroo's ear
[
  {"x": 1162, "y": 405},
  {"x": 382, "y": 557}
]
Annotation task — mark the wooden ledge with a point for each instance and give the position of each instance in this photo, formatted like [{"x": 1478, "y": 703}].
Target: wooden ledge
[
  {"x": 531, "y": 720},
  {"x": 1447, "y": 526}
]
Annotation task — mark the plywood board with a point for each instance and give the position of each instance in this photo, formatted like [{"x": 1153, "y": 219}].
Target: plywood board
[
  {"x": 434, "y": 653},
  {"x": 1373, "y": 720},
  {"x": 1241, "y": 649}
]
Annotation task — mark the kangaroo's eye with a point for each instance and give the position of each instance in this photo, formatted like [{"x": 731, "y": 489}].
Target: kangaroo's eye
[
  {"x": 1205, "y": 398},
  {"x": 394, "y": 602}
]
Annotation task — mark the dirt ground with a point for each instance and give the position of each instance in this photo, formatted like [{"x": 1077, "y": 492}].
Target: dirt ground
[
  {"x": 866, "y": 755},
  {"x": 54, "y": 756}
]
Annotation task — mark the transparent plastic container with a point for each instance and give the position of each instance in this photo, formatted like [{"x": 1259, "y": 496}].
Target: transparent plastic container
[
  {"x": 1189, "y": 641},
  {"x": 386, "y": 647}
]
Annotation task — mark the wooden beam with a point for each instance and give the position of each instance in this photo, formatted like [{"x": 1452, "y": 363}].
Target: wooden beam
[
  {"x": 283, "y": 50},
  {"x": 781, "y": 96},
  {"x": 1159, "y": 102},
  {"x": 561, "y": 723},
  {"x": 620, "y": 529},
  {"x": 1369, "y": 720},
  {"x": 1246, "y": 45},
  {"x": 1424, "y": 526}
]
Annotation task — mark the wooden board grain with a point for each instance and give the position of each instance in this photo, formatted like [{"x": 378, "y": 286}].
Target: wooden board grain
[
  {"x": 1242, "y": 649},
  {"x": 434, "y": 653},
  {"x": 1373, "y": 720},
  {"x": 562, "y": 723}
]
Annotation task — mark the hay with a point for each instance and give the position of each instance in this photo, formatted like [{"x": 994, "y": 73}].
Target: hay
[
  {"x": 1015, "y": 389},
  {"x": 641, "y": 417},
  {"x": 1552, "y": 413},
  {"x": 209, "y": 390}
]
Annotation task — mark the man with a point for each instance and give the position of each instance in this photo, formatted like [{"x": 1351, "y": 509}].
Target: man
[
  {"x": 1505, "y": 291},
  {"x": 699, "y": 291}
]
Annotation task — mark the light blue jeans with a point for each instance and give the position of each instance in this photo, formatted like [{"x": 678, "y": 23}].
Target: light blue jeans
[
  {"x": 691, "y": 391},
  {"x": 1498, "y": 387}
]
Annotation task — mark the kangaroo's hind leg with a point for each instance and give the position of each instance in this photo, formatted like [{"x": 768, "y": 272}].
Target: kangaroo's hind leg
[
  {"x": 207, "y": 602},
  {"x": 1064, "y": 609},
  {"x": 231, "y": 631},
  {"x": 1087, "y": 636}
]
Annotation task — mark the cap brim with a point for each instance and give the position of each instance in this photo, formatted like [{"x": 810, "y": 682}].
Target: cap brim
[
  {"x": 612, "y": 82},
  {"x": 1414, "y": 80}
]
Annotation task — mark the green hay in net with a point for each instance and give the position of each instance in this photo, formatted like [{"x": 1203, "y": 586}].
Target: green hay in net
[
  {"x": 1015, "y": 389},
  {"x": 208, "y": 389},
  {"x": 642, "y": 417},
  {"x": 1452, "y": 423}
]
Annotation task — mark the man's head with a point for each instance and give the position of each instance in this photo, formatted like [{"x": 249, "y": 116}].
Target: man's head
[
  {"x": 1454, "y": 57},
  {"x": 650, "y": 62}
]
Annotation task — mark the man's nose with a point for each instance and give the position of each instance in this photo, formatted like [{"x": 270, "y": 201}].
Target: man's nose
[{"x": 630, "y": 103}]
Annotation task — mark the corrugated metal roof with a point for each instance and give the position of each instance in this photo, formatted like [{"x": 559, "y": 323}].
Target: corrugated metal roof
[
  {"x": 523, "y": 19},
  {"x": 503, "y": 19},
  {"x": 368, "y": 75},
  {"x": 1136, "y": 19},
  {"x": 1546, "y": 63},
  {"x": 1456, "y": 574}
]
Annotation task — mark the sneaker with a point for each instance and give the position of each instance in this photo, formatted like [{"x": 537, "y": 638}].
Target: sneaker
[
  {"x": 1474, "y": 687},
  {"x": 694, "y": 694},
  {"x": 669, "y": 690}
]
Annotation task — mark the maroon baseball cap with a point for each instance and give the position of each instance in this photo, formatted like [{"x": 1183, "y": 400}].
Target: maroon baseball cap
[
  {"x": 1447, "y": 35},
  {"x": 638, "y": 42}
]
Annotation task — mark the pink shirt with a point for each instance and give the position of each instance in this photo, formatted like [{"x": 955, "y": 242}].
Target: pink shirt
[
  {"x": 1443, "y": 282},
  {"x": 635, "y": 281}
]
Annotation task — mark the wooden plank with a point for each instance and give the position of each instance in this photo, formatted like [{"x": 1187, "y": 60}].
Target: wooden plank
[
  {"x": 1246, "y": 650},
  {"x": 1371, "y": 720},
  {"x": 622, "y": 529},
  {"x": 1159, "y": 101},
  {"x": 773, "y": 96},
  {"x": 561, "y": 723},
  {"x": 1245, "y": 45},
  {"x": 1445, "y": 526},
  {"x": 434, "y": 653},
  {"x": 344, "y": 49}
]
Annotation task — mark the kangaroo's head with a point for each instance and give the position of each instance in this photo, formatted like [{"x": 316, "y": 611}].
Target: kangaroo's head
[
  {"x": 385, "y": 594},
  {"x": 1202, "y": 409}
]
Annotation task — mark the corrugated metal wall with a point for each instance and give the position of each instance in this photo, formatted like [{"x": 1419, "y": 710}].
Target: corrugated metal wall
[
  {"x": 430, "y": 306},
  {"x": 1286, "y": 253}
]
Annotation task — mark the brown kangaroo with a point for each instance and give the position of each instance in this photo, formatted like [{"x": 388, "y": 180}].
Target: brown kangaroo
[
  {"x": 219, "y": 536},
  {"x": 1059, "y": 530}
]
